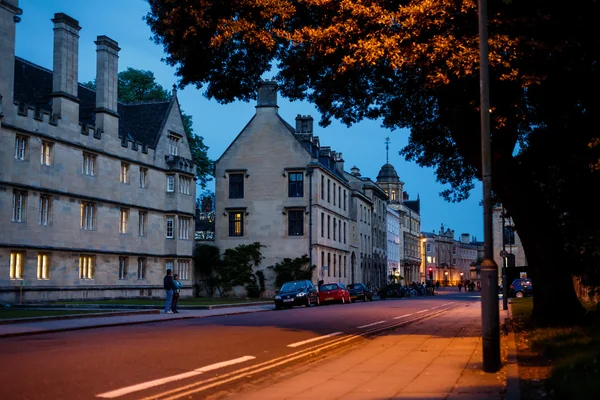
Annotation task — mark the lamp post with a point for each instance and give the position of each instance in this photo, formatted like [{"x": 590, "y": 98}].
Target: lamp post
[{"x": 490, "y": 313}]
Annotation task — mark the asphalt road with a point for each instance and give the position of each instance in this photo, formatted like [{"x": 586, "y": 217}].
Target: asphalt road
[{"x": 193, "y": 358}]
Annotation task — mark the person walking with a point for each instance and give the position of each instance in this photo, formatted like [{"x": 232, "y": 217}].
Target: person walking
[
  {"x": 459, "y": 287},
  {"x": 176, "y": 292},
  {"x": 169, "y": 287}
]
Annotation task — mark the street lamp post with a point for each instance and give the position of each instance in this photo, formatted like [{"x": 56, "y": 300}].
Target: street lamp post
[{"x": 490, "y": 313}]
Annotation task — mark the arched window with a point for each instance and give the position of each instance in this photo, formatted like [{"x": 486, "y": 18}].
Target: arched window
[{"x": 394, "y": 195}]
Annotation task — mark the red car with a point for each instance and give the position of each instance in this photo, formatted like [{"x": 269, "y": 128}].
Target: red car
[{"x": 334, "y": 292}]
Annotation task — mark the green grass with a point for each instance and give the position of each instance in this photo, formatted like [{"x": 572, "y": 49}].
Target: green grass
[
  {"x": 20, "y": 313},
  {"x": 198, "y": 301},
  {"x": 574, "y": 352}
]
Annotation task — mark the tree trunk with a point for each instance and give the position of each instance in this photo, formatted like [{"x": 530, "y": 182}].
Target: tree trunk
[{"x": 555, "y": 301}]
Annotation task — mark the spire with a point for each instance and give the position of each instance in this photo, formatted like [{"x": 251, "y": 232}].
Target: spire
[{"x": 387, "y": 149}]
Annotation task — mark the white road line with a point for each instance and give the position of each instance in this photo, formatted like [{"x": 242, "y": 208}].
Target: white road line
[
  {"x": 433, "y": 308},
  {"x": 422, "y": 311},
  {"x": 403, "y": 316},
  {"x": 162, "y": 381},
  {"x": 297, "y": 344},
  {"x": 368, "y": 325}
]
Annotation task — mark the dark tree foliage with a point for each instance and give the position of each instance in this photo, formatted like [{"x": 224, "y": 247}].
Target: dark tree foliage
[
  {"x": 414, "y": 64},
  {"x": 207, "y": 260},
  {"x": 236, "y": 268},
  {"x": 292, "y": 270},
  {"x": 136, "y": 85}
]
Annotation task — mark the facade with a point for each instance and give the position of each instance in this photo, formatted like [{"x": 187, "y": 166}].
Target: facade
[
  {"x": 277, "y": 185},
  {"x": 506, "y": 238},
  {"x": 394, "y": 246},
  {"x": 96, "y": 197}
]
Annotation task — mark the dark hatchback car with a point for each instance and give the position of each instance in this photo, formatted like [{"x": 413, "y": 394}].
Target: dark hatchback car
[
  {"x": 359, "y": 291},
  {"x": 520, "y": 288},
  {"x": 296, "y": 293}
]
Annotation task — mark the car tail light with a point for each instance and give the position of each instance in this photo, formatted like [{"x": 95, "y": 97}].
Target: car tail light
[{"x": 512, "y": 286}]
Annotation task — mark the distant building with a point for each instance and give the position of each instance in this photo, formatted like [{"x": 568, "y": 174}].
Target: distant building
[
  {"x": 394, "y": 246},
  {"x": 96, "y": 197},
  {"x": 506, "y": 238}
]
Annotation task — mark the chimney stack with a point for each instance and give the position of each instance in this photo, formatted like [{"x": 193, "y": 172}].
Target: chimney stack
[
  {"x": 304, "y": 124},
  {"x": 267, "y": 95},
  {"x": 65, "y": 68},
  {"x": 339, "y": 162},
  {"x": 107, "y": 79},
  {"x": 9, "y": 16}
]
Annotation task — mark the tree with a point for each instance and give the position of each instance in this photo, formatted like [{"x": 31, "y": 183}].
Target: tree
[
  {"x": 207, "y": 260},
  {"x": 414, "y": 64},
  {"x": 292, "y": 270},
  {"x": 136, "y": 85},
  {"x": 236, "y": 268}
]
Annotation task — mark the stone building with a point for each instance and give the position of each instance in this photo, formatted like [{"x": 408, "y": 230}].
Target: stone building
[
  {"x": 96, "y": 197},
  {"x": 505, "y": 238},
  {"x": 395, "y": 271}
]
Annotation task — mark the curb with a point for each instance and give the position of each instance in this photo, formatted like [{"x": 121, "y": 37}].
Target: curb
[
  {"x": 75, "y": 316},
  {"x": 513, "y": 384},
  {"x": 135, "y": 306},
  {"x": 106, "y": 325}
]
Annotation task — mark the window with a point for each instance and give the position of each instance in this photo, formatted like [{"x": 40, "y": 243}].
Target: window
[
  {"x": 86, "y": 267},
  {"x": 142, "y": 215},
  {"x": 45, "y": 153},
  {"x": 340, "y": 231},
  {"x": 322, "y": 188},
  {"x": 236, "y": 186},
  {"x": 170, "y": 223},
  {"x": 18, "y": 206},
  {"x": 344, "y": 200},
  {"x": 124, "y": 220},
  {"x": 88, "y": 216},
  {"x": 184, "y": 227},
  {"x": 429, "y": 247},
  {"x": 394, "y": 196},
  {"x": 322, "y": 225},
  {"x": 295, "y": 222},
  {"x": 344, "y": 266},
  {"x": 44, "y": 217},
  {"x": 169, "y": 264},
  {"x": 339, "y": 196},
  {"x": 328, "y": 264},
  {"x": 141, "y": 269},
  {"x": 173, "y": 143},
  {"x": 170, "y": 183},
  {"x": 334, "y": 225},
  {"x": 340, "y": 266},
  {"x": 124, "y": 172},
  {"x": 344, "y": 232},
  {"x": 183, "y": 269},
  {"x": 16, "y": 264},
  {"x": 329, "y": 227},
  {"x": 322, "y": 263},
  {"x": 296, "y": 184},
  {"x": 509, "y": 235},
  {"x": 184, "y": 184},
  {"x": 123, "y": 268},
  {"x": 334, "y": 265},
  {"x": 143, "y": 176},
  {"x": 236, "y": 223},
  {"x": 88, "y": 165},
  {"x": 328, "y": 190},
  {"x": 43, "y": 265},
  {"x": 20, "y": 147},
  {"x": 334, "y": 193}
]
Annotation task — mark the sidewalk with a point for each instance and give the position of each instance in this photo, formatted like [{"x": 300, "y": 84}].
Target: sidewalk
[
  {"x": 437, "y": 358},
  {"x": 89, "y": 321}
]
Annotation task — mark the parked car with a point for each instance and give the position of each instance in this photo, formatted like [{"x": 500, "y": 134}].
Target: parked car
[
  {"x": 296, "y": 293},
  {"x": 333, "y": 292},
  {"x": 360, "y": 291},
  {"x": 520, "y": 288}
]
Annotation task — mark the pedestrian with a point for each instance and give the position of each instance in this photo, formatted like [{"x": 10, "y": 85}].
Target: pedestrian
[
  {"x": 176, "y": 292},
  {"x": 169, "y": 286},
  {"x": 459, "y": 287},
  {"x": 437, "y": 284},
  {"x": 478, "y": 286}
]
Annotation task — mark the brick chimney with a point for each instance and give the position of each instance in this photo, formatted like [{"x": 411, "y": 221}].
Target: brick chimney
[
  {"x": 65, "y": 68},
  {"x": 9, "y": 16},
  {"x": 267, "y": 95},
  {"x": 107, "y": 79},
  {"x": 304, "y": 124},
  {"x": 339, "y": 162}
]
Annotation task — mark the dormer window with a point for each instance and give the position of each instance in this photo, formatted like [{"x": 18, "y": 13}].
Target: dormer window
[
  {"x": 394, "y": 195},
  {"x": 173, "y": 144}
]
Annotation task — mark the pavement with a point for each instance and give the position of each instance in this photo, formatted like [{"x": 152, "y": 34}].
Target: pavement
[{"x": 435, "y": 358}]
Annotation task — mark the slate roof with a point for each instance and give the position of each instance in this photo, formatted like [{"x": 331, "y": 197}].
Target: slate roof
[
  {"x": 414, "y": 205},
  {"x": 139, "y": 122}
]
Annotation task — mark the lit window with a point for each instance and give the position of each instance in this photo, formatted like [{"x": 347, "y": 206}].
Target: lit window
[
  {"x": 88, "y": 216},
  {"x": 141, "y": 270},
  {"x": 16, "y": 264},
  {"x": 20, "y": 147},
  {"x": 43, "y": 265},
  {"x": 142, "y": 223},
  {"x": 124, "y": 173},
  {"x": 124, "y": 220},
  {"x": 143, "y": 176},
  {"x": 170, "y": 183},
  {"x": 122, "y": 268},
  {"x": 170, "y": 223},
  {"x": 44, "y": 209},
  {"x": 173, "y": 143},
  {"x": 86, "y": 267},
  {"x": 236, "y": 223},
  {"x": 394, "y": 196},
  {"x": 18, "y": 206},
  {"x": 183, "y": 269},
  {"x": 184, "y": 225},
  {"x": 88, "y": 165},
  {"x": 45, "y": 153}
]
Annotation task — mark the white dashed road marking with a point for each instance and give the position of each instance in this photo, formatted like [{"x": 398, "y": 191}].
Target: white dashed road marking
[
  {"x": 403, "y": 316},
  {"x": 313, "y": 339},
  {"x": 373, "y": 324},
  {"x": 422, "y": 311}
]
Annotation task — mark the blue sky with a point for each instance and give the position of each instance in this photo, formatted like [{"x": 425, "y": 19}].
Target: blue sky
[{"x": 362, "y": 144}]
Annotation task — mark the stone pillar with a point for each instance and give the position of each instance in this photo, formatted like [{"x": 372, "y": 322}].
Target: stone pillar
[
  {"x": 107, "y": 70},
  {"x": 9, "y": 16},
  {"x": 65, "y": 68}
]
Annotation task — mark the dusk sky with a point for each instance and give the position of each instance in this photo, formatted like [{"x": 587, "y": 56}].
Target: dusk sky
[{"x": 362, "y": 144}]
